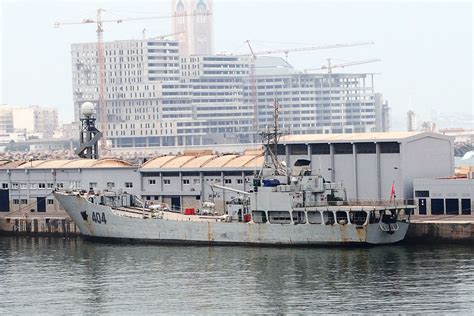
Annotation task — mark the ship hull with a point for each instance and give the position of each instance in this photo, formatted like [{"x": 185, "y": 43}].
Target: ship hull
[{"x": 99, "y": 222}]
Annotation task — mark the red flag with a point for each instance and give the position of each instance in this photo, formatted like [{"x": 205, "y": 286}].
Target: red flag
[{"x": 392, "y": 192}]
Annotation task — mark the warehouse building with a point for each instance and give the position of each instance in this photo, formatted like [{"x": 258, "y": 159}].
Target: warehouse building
[
  {"x": 367, "y": 165},
  {"x": 448, "y": 196}
]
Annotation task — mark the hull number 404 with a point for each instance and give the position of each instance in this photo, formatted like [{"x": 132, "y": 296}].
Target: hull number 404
[{"x": 99, "y": 218}]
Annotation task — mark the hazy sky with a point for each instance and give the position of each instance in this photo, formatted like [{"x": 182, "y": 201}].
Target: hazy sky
[{"x": 425, "y": 47}]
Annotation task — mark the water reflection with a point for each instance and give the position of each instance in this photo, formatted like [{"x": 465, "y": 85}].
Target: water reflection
[{"x": 83, "y": 277}]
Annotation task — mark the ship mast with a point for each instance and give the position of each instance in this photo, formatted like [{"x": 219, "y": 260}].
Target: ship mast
[{"x": 270, "y": 137}]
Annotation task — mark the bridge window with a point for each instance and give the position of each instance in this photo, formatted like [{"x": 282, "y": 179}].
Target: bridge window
[
  {"x": 328, "y": 218},
  {"x": 279, "y": 217},
  {"x": 358, "y": 217},
  {"x": 341, "y": 217},
  {"x": 299, "y": 217},
  {"x": 314, "y": 217},
  {"x": 259, "y": 217}
]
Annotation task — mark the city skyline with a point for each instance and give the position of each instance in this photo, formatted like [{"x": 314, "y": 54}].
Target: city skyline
[{"x": 436, "y": 51}]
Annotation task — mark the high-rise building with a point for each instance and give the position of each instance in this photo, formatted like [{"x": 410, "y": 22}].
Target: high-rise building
[
  {"x": 28, "y": 119},
  {"x": 157, "y": 97},
  {"x": 411, "y": 121},
  {"x": 192, "y": 24},
  {"x": 313, "y": 103}
]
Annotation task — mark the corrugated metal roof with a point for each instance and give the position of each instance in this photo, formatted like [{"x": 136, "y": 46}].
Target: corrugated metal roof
[
  {"x": 219, "y": 162},
  {"x": 31, "y": 164},
  {"x": 255, "y": 163},
  {"x": 369, "y": 137},
  {"x": 52, "y": 164},
  {"x": 111, "y": 163},
  {"x": 12, "y": 164},
  {"x": 198, "y": 161},
  {"x": 80, "y": 163},
  {"x": 240, "y": 161},
  {"x": 178, "y": 162},
  {"x": 157, "y": 162}
]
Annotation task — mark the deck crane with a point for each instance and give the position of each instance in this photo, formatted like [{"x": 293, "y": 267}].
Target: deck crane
[
  {"x": 330, "y": 66},
  {"x": 101, "y": 60},
  {"x": 253, "y": 56}
]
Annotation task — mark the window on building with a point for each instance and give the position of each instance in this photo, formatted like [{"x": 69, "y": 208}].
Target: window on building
[
  {"x": 42, "y": 185},
  {"x": 129, "y": 184},
  {"x": 422, "y": 193},
  {"x": 227, "y": 181},
  {"x": 166, "y": 181},
  {"x": 437, "y": 206},
  {"x": 110, "y": 185},
  {"x": 93, "y": 185},
  {"x": 16, "y": 201},
  {"x": 4, "y": 185},
  {"x": 50, "y": 201},
  {"x": 390, "y": 148},
  {"x": 32, "y": 185},
  {"x": 50, "y": 185},
  {"x": 185, "y": 181},
  {"x": 151, "y": 181},
  {"x": 365, "y": 148},
  {"x": 15, "y": 185},
  {"x": 60, "y": 185},
  {"x": 320, "y": 149},
  {"x": 240, "y": 181},
  {"x": 299, "y": 149},
  {"x": 196, "y": 181},
  {"x": 343, "y": 148},
  {"x": 281, "y": 149},
  {"x": 23, "y": 201},
  {"x": 23, "y": 186}
]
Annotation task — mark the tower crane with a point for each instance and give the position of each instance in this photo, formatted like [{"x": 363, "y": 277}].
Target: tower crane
[
  {"x": 254, "y": 54},
  {"x": 330, "y": 66},
  {"x": 101, "y": 60}
]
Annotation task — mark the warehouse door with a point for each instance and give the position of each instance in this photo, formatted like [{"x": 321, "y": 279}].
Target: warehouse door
[
  {"x": 41, "y": 204},
  {"x": 176, "y": 203},
  {"x": 422, "y": 206},
  {"x": 4, "y": 201},
  {"x": 466, "y": 206}
]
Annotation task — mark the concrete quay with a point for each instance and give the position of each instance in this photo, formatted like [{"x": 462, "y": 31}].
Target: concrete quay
[
  {"x": 59, "y": 225},
  {"x": 441, "y": 228}
]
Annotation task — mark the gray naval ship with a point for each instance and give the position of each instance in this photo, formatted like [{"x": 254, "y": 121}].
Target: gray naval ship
[{"x": 284, "y": 207}]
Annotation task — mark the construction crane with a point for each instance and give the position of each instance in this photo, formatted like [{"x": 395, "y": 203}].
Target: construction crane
[
  {"x": 253, "y": 56},
  {"x": 330, "y": 66},
  {"x": 101, "y": 60}
]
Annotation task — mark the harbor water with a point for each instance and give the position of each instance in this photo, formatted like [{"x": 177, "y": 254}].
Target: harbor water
[{"x": 62, "y": 276}]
